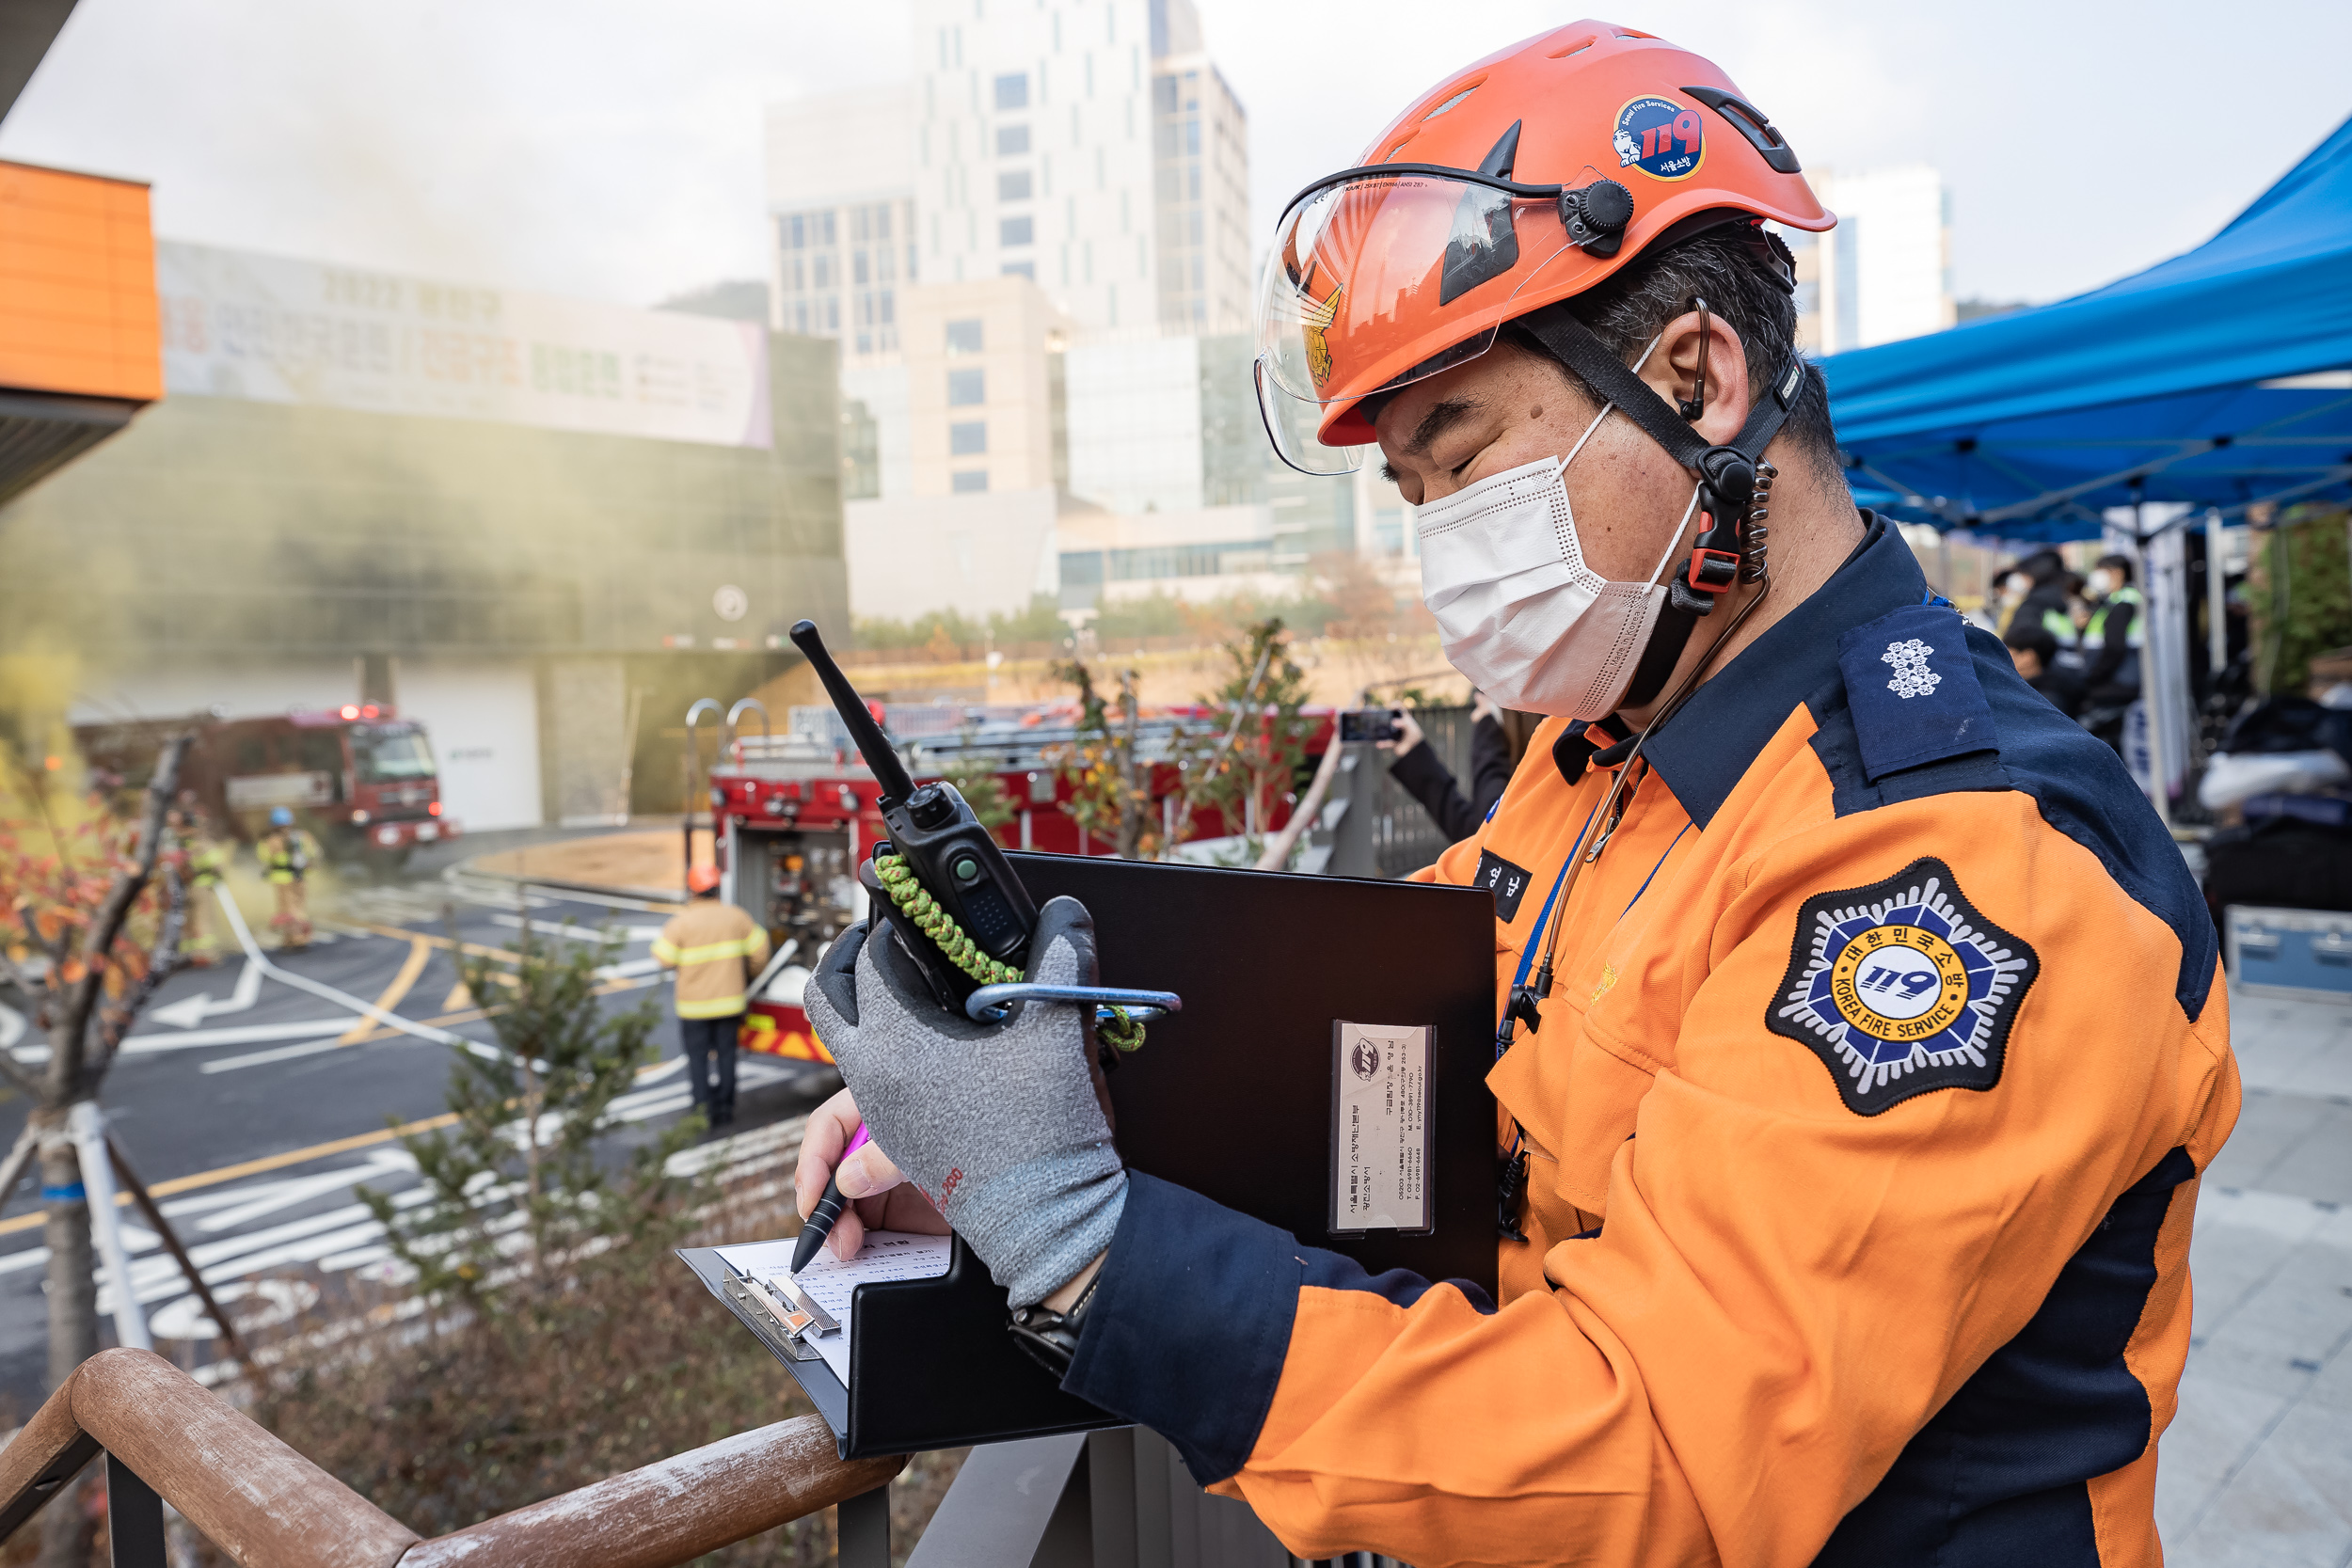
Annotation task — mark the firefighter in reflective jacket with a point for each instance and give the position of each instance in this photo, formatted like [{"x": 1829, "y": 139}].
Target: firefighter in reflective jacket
[
  {"x": 716, "y": 948},
  {"x": 1860, "y": 1039},
  {"x": 287, "y": 853},
  {"x": 205, "y": 860}
]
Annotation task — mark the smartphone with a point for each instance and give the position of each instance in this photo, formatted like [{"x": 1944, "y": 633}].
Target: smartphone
[{"x": 1359, "y": 726}]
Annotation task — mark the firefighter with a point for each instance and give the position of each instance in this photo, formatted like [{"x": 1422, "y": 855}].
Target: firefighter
[
  {"x": 1856, "y": 1066},
  {"x": 204, "y": 860},
  {"x": 287, "y": 853},
  {"x": 716, "y": 949},
  {"x": 2111, "y": 642}
]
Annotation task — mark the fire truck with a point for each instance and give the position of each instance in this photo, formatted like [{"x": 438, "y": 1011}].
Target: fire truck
[
  {"x": 359, "y": 777},
  {"x": 793, "y": 815}
]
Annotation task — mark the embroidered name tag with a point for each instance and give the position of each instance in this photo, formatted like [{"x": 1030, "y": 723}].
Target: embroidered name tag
[
  {"x": 1507, "y": 882},
  {"x": 1912, "y": 689}
]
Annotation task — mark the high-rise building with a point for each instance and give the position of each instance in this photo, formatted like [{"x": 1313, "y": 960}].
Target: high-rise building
[
  {"x": 1067, "y": 186},
  {"x": 841, "y": 216},
  {"x": 1885, "y": 270},
  {"x": 1090, "y": 147}
]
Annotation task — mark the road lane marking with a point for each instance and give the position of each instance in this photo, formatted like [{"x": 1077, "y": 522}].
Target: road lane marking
[
  {"x": 316, "y": 1151},
  {"x": 478, "y": 949},
  {"x": 255, "y": 1167},
  {"x": 412, "y": 966},
  {"x": 283, "y": 1053},
  {"x": 239, "y": 1034}
]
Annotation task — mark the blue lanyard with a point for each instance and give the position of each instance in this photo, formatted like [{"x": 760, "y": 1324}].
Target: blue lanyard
[{"x": 1536, "y": 937}]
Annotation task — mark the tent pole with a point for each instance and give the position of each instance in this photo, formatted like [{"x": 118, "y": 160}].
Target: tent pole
[
  {"x": 2216, "y": 596},
  {"x": 2151, "y": 665}
]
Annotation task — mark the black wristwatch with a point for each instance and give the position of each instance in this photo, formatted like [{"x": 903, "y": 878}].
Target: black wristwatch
[{"x": 1051, "y": 1337}]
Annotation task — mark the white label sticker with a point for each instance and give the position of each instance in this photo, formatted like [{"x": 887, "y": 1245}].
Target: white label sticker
[{"x": 1379, "y": 1127}]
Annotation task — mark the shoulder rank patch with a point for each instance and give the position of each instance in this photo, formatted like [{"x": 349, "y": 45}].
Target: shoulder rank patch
[
  {"x": 1913, "y": 687},
  {"x": 1901, "y": 988}
]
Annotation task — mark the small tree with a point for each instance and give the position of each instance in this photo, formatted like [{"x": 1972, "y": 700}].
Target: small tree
[
  {"x": 1110, "y": 782},
  {"x": 1253, "y": 760},
  {"x": 98, "y": 906},
  {"x": 2298, "y": 596},
  {"x": 517, "y": 1186},
  {"x": 978, "y": 784}
]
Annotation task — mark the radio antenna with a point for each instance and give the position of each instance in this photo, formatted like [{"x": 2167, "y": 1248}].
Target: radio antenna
[{"x": 871, "y": 743}]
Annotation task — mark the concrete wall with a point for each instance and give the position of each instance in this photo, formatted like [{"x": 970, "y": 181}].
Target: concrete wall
[{"x": 253, "y": 555}]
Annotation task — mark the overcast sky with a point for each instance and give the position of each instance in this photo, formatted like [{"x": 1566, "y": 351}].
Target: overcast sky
[{"x": 611, "y": 150}]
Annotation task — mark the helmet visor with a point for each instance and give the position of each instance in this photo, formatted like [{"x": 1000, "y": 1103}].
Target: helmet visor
[
  {"x": 1381, "y": 278},
  {"x": 1295, "y": 425}
]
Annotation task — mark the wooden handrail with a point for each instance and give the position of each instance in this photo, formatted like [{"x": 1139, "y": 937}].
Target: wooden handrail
[{"x": 268, "y": 1507}]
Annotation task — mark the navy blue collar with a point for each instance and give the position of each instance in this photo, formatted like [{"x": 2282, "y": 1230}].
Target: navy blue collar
[{"x": 1706, "y": 746}]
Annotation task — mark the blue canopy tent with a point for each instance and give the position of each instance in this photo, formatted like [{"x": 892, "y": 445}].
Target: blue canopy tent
[
  {"x": 2216, "y": 381},
  {"x": 2175, "y": 384}
]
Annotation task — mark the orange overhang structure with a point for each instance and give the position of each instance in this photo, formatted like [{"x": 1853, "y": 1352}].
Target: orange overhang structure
[{"x": 81, "y": 348}]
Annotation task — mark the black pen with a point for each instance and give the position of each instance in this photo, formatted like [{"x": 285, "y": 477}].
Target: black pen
[{"x": 827, "y": 1213}]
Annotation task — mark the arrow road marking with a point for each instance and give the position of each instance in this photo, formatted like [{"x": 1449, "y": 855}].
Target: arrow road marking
[{"x": 189, "y": 1011}]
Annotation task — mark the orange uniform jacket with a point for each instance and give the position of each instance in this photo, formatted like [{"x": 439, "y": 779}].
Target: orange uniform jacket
[{"x": 1883, "y": 1050}]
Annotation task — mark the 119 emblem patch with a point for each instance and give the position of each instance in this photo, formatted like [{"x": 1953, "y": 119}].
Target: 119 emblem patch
[{"x": 1901, "y": 988}]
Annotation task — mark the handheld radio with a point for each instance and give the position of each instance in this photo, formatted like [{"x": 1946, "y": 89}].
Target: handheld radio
[{"x": 953, "y": 858}]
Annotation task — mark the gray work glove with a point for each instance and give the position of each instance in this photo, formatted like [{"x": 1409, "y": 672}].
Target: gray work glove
[{"x": 998, "y": 1123}]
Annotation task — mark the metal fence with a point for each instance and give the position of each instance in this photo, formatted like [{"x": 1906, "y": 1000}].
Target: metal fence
[{"x": 1375, "y": 828}]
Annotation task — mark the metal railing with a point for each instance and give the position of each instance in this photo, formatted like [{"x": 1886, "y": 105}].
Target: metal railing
[{"x": 167, "y": 1439}]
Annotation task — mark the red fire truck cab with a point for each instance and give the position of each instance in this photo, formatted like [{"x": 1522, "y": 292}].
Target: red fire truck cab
[{"x": 360, "y": 777}]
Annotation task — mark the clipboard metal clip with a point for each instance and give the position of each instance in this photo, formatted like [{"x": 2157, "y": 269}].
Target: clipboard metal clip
[{"x": 989, "y": 1002}]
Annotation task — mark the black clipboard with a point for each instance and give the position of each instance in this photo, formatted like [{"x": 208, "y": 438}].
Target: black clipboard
[{"x": 1232, "y": 1097}]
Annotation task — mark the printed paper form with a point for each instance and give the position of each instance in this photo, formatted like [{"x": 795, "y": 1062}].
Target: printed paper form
[{"x": 830, "y": 1282}]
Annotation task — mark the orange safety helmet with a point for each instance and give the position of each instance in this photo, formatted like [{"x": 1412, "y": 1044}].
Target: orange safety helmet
[
  {"x": 702, "y": 879},
  {"x": 1519, "y": 181}
]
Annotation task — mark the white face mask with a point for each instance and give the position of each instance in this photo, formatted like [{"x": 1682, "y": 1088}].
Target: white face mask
[
  {"x": 2101, "y": 585},
  {"x": 1519, "y": 610}
]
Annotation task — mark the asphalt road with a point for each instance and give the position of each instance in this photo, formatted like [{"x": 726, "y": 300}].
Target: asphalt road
[{"x": 253, "y": 1108}]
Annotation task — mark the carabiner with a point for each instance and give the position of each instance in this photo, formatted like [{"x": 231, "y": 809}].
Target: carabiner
[{"x": 990, "y": 1003}]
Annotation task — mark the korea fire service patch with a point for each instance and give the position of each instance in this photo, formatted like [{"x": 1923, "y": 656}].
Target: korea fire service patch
[{"x": 1901, "y": 988}]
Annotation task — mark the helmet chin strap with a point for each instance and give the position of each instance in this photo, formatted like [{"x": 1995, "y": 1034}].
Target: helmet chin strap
[{"x": 1735, "y": 482}]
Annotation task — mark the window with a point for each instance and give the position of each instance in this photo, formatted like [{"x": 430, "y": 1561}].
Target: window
[
  {"x": 968, "y": 438},
  {"x": 1012, "y": 141},
  {"x": 1013, "y": 186},
  {"x": 1020, "y": 269},
  {"x": 387, "y": 755},
  {"x": 1012, "y": 92},
  {"x": 792, "y": 232},
  {"x": 967, "y": 388},
  {"x": 965, "y": 337},
  {"x": 971, "y": 481},
  {"x": 1012, "y": 231},
  {"x": 821, "y": 271},
  {"x": 322, "y": 752}
]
